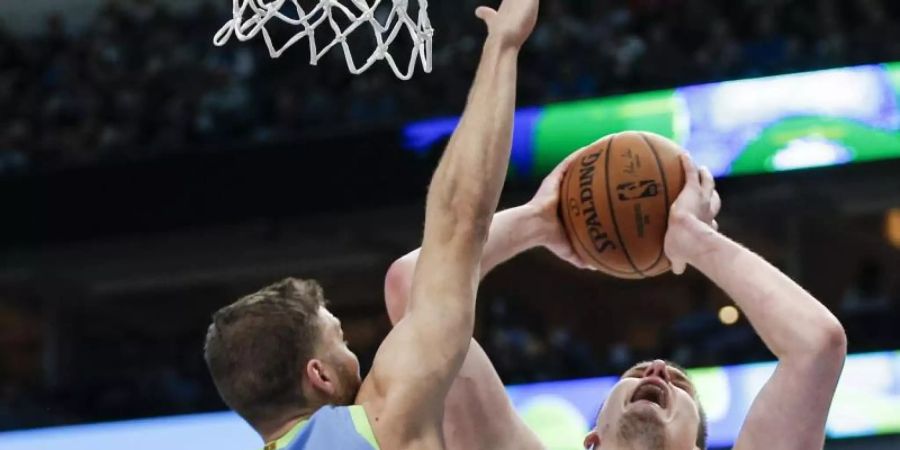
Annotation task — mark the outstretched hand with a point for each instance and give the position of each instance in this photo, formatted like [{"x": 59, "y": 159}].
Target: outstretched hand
[
  {"x": 695, "y": 208},
  {"x": 512, "y": 23}
]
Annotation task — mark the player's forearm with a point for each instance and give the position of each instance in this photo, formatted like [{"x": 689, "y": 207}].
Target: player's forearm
[
  {"x": 512, "y": 231},
  {"x": 466, "y": 186},
  {"x": 791, "y": 322}
]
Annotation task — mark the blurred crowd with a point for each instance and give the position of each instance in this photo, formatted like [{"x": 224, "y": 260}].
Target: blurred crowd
[
  {"x": 131, "y": 378},
  {"x": 114, "y": 375},
  {"x": 140, "y": 80}
]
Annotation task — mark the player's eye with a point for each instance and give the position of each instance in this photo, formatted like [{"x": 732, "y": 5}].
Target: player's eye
[{"x": 685, "y": 386}]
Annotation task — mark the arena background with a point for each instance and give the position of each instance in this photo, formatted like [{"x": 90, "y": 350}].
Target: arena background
[{"x": 148, "y": 178}]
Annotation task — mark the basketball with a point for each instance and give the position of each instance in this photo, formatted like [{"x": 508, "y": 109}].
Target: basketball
[{"x": 615, "y": 200}]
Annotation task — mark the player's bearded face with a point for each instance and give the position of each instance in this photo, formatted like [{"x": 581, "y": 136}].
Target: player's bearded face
[
  {"x": 347, "y": 367},
  {"x": 343, "y": 362},
  {"x": 647, "y": 411}
]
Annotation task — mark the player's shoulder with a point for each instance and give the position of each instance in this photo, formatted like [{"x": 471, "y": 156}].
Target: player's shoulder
[
  {"x": 344, "y": 427},
  {"x": 394, "y": 427}
]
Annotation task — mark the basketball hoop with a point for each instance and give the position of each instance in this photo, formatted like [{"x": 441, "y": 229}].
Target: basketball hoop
[{"x": 250, "y": 18}]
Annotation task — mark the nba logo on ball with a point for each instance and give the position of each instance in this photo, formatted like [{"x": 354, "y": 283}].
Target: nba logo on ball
[
  {"x": 637, "y": 190},
  {"x": 617, "y": 193}
]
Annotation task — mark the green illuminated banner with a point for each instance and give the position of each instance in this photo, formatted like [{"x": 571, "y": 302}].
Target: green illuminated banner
[{"x": 761, "y": 125}]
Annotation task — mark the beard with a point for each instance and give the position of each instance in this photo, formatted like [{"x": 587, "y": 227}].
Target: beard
[
  {"x": 641, "y": 430},
  {"x": 349, "y": 387}
]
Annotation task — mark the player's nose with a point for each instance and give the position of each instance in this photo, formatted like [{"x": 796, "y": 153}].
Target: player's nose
[{"x": 657, "y": 368}]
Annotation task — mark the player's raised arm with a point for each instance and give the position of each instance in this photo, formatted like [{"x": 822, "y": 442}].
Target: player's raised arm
[
  {"x": 807, "y": 339},
  {"x": 477, "y": 412},
  {"x": 421, "y": 356}
]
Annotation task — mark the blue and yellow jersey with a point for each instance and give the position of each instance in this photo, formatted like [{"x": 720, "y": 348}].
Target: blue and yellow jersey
[{"x": 330, "y": 428}]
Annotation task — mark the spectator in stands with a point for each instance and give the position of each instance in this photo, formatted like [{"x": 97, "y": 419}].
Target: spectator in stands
[{"x": 141, "y": 80}]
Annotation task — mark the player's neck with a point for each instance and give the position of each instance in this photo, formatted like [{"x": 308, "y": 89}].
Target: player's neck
[
  {"x": 618, "y": 445},
  {"x": 276, "y": 433}
]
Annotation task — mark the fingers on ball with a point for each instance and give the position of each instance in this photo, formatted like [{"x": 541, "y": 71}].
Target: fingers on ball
[
  {"x": 715, "y": 203},
  {"x": 690, "y": 170},
  {"x": 707, "y": 182}
]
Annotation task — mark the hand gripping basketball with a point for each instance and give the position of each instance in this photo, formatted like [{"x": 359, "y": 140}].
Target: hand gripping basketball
[
  {"x": 695, "y": 209},
  {"x": 545, "y": 202}
]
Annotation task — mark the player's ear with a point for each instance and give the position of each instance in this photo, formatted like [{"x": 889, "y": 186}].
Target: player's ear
[
  {"x": 592, "y": 441},
  {"x": 320, "y": 377}
]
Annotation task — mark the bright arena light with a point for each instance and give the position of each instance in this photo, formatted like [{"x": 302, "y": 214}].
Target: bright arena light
[
  {"x": 729, "y": 315},
  {"x": 892, "y": 226},
  {"x": 810, "y": 152}
]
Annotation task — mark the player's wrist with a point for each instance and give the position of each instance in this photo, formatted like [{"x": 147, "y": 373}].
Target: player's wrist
[
  {"x": 503, "y": 43},
  {"x": 522, "y": 226},
  {"x": 706, "y": 243}
]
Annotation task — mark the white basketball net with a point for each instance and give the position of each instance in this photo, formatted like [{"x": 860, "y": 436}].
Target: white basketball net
[{"x": 250, "y": 18}]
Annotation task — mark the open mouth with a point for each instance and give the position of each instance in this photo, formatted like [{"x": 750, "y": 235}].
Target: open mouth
[{"x": 652, "y": 392}]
